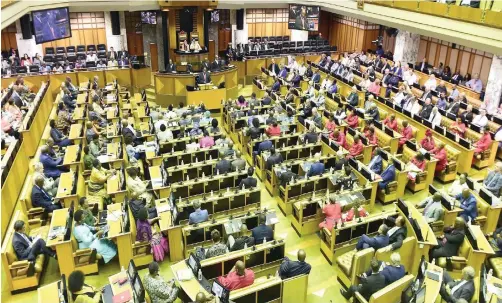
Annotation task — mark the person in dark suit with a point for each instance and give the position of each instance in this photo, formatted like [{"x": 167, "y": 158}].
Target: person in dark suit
[
  {"x": 377, "y": 242},
  {"x": 204, "y": 77},
  {"x": 369, "y": 286},
  {"x": 216, "y": 65},
  {"x": 311, "y": 136},
  {"x": 316, "y": 77},
  {"x": 112, "y": 55},
  {"x": 457, "y": 77},
  {"x": 453, "y": 107},
  {"x": 254, "y": 131},
  {"x": 423, "y": 66},
  {"x": 239, "y": 243},
  {"x": 376, "y": 162},
  {"x": 26, "y": 247},
  {"x": 467, "y": 115},
  {"x": 450, "y": 242},
  {"x": 223, "y": 166},
  {"x": 353, "y": 98},
  {"x": 262, "y": 232},
  {"x": 171, "y": 67},
  {"x": 266, "y": 99},
  {"x": 341, "y": 161},
  {"x": 273, "y": 159},
  {"x": 452, "y": 291},
  {"x": 68, "y": 100},
  {"x": 51, "y": 166},
  {"x": 289, "y": 269},
  {"x": 128, "y": 131},
  {"x": 276, "y": 86},
  {"x": 426, "y": 95},
  {"x": 393, "y": 271},
  {"x": 41, "y": 198},
  {"x": 301, "y": 22},
  {"x": 285, "y": 177},
  {"x": 426, "y": 109},
  {"x": 397, "y": 234},
  {"x": 388, "y": 175},
  {"x": 296, "y": 79},
  {"x": 250, "y": 181},
  {"x": 317, "y": 168},
  {"x": 274, "y": 67}
]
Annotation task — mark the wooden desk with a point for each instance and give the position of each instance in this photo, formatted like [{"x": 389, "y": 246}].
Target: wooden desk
[
  {"x": 70, "y": 157},
  {"x": 211, "y": 97},
  {"x": 66, "y": 193},
  {"x": 76, "y": 134},
  {"x": 173, "y": 231},
  {"x": 191, "y": 287},
  {"x": 82, "y": 98},
  {"x": 123, "y": 239},
  {"x": 78, "y": 113},
  {"x": 113, "y": 159},
  {"x": 64, "y": 249},
  {"x": 49, "y": 293},
  {"x": 114, "y": 190},
  {"x": 432, "y": 287},
  {"x": 155, "y": 174},
  {"x": 116, "y": 288}
]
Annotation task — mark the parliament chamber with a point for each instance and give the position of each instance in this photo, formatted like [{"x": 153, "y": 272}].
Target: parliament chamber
[{"x": 251, "y": 152}]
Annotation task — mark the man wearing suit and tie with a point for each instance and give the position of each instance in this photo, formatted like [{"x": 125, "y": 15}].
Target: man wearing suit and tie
[
  {"x": 199, "y": 215},
  {"x": 217, "y": 64},
  {"x": 377, "y": 242},
  {"x": 223, "y": 166},
  {"x": 493, "y": 182},
  {"x": 353, "y": 98},
  {"x": 276, "y": 86},
  {"x": 468, "y": 203},
  {"x": 206, "y": 65},
  {"x": 388, "y": 175},
  {"x": 368, "y": 286},
  {"x": 274, "y": 67},
  {"x": 453, "y": 107},
  {"x": 423, "y": 66},
  {"x": 456, "y": 291},
  {"x": 273, "y": 159},
  {"x": 301, "y": 22},
  {"x": 317, "y": 168},
  {"x": 204, "y": 77},
  {"x": 41, "y": 198},
  {"x": 51, "y": 166},
  {"x": 450, "y": 242},
  {"x": 250, "y": 181},
  {"x": 376, "y": 162},
  {"x": 397, "y": 233},
  {"x": 286, "y": 176},
  {"x": 26, "y": 247},
  {"x": 262, "y": 231},
  {"x": 316, "y": 77},
  {"x": 112, "y": 55},
  {"x": 171, "y": 67},
  {"x": 432, "y": 208}
]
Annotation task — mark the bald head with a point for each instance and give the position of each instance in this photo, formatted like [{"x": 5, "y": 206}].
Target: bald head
[
  {"x": 437, "y": 197},
  {"x": 200, "y": 298},
  {"x": 301, "y": 255},
  {"x": 239, "y": 267}
]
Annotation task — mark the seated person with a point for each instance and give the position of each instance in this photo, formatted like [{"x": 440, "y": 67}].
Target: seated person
[
  {"x": 369, "y": 133},
  {"x": 157, "y": 288},
  {"x": 441, "y": 156},
  {"x": 199, "y": 215},
  {"x": 311, "y": 136},
  {"x": 92, "y": 237},
  {"x": 406, "y": 133},
  {"x": 88, "y": 158},
  {"x": 376, "y": 163},
  {"x": 202, "y": 298},
  {"x": 254, "y": 131},
  {"x": 496, "y": 242},
  {"x": 352, "y": 119},
  {"x": 89, "y": 218},
  {"x": 164, "y": 134},
  {"x": 80, "y": 291},
  {"x": 356, "y": 149},
  {"x": 458, "y": 127},
  {"x": 397, "y": 233},
  {"x": 41, "y": 198},
  {"x": 450, "y": 241},
  {"x": 250, "y": 181},
  {"x": 50, "y": 185},
  {"x": 432, "y": 208},
  {"x": 456, "y": 291},
  {"x": 52, "y": 167},
  {"x": 458, "y": 185},
  {"x": 58, "y": 137},
  {"x": 332, "y": 212},
  {"x": 339, "y": 138},
  {"x": 483, "y": 144},
  {"x": 468, "y": 203},
  {"x": 238, "y": 163},
  {"x": 262, "y": 232},
  {"x": 373, "y": 113},
  {"x": 427, "y": 142},
  {"x": 242, "y": 241},
  {"x": 138, "y": 188},
  {"x": 206, "y": 141},
  {"x": 390, "y": 122},
  {"x": 368, "y": 286},
  {"x": 317, "y": 168},
  {"x": 218, "y": 248},
  {"x": 388, "y": 175},
  {"x": 223, "y": 166},
  {"x": 290, "y": 269},
  {"x": 415, "y": 166},
  {"x": 377, "y": 242},
  {"x": 26, "y": 247},
  {"x": 238, "y": 277},
  {"x": 493, "y": 181},
  {"x": 273, "y": 159},
  {"x": 392, "y": 272},
  {"x": 273, "y": 130},
  {"x": 287, "y": 176}
]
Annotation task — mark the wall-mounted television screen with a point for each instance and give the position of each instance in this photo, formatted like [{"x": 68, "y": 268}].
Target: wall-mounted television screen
[
  {"x": 51, "y": 24},
  {"x": 302, "y": 17},
  {"x": 149, "y": 17},
  {"x": 215, "y": 16}
]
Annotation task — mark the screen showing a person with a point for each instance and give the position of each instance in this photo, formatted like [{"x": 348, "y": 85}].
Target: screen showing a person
[
  {"x": 302, "y": 17},
  {"x": 219, "y": 291},
  {"x": 215, "y": 16},
  {"x": 149, "y": 17},
  {"x": 51, "y": 24},
  {"x": 131, "y": 270}
]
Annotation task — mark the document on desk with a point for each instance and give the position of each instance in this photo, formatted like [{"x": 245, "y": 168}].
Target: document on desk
[
  {"x": 163, "y": 208},
  {"x": 233, "y": 226},
  {"x": 157, "y": 182},
  {"x": 184, "y": 274},
  {"x": 114, "y": 216},
  {"x": 103, "y": 158}
]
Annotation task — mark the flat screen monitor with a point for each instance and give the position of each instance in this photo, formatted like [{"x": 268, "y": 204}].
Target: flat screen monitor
[
  {"x": 131, "y": 270},
  {"x": 193, "y": 263},
  {"x": 220, "y": 291},
  {"x": 149, "y": 17},
  {"x": 403, "y": 207},
  {"x": 51, "y": 24},
  {"x": 302, "y": 17},
  {"x": 215, "y": 16},
  {"x": 417, "y": 229},
  {"x": 138, "y": 288}
]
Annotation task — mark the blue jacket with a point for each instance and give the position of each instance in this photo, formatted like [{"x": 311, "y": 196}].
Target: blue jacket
[
  {"x": 51, "y": 169},
  {"x": 391, "y": 273},
  {"x": 198, "y": 216},
  {"x": 265, "y": 145},
  {"x": 468, "y": 205},
  {"x": 316, "y": 78},
  {"x": 57, "y": 136},
  {"x": 283, "y": 73},
  {"x": 375, "y": 164},
  {"x": 316, "y": 169},
  {"x": 276, "y": 86},
  {"x": 40, "y": 198},
  {"x": 261, "y": 232},
  {"x": 388, "y": 175}
]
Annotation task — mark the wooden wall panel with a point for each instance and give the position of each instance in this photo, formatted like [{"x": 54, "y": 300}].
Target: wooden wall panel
[
  {"x": 350, "y": 34},
  {"x": 325, "y": 24},
  {"x": 9, "y": 37},
  {"x": 268, "y": 29},
  {"x": 388, "y": 43}
]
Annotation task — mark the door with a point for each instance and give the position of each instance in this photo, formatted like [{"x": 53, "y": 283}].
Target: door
[{"x": 154, "y": 57}]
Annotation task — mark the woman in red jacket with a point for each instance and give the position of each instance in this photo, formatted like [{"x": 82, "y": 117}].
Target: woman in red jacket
[
  {"x": 458, "y": 127},
  {"x": 339, "y": 138},
  {"x": 391, "y": 122},
  {"x": 333, "y": 213},
  {"x": 331, "y": 124},
  {"x": 427, "y": 142},
  {"x": 369, "y": 133},
  {"x": 441, "y": 155},
  {"x": 415, "y": 166},
  {"x": 352, "y": 120},
  {"x": 274, "y": 129},
  {"x": 483, "y": 143}
]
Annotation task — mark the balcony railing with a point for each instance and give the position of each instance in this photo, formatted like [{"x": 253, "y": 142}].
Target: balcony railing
[{"x": 489, "y": 11}]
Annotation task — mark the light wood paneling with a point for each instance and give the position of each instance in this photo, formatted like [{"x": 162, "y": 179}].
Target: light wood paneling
[
  {"x": 350, "y": 34},
  {"x": 9, "y": 38}
]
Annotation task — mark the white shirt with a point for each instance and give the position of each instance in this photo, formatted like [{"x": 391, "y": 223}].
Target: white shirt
[
  {"x": 457, "y": 188},
  {"x": 158, "y": 123},
  {"x": 301, "y": 70},
  {"x": 345, "y": 61},
  {"x": 431, "y": 84},
  {"x": 413, "y": 108},
  {"x": 334, "y": 67},
  {"x": 165, "y": 136},
  {"x": 435, "y": 118},
  {"x": 498, "y": 136},
  {"x": 349, "y": 77},
  {"x": 170, "y": 115},
  {"x": 480, "y": 121},
  {"x": 410, "y": 78},
  {"x": 339, "y": 116},
  {"x": 192, "y": 146},
  {"x": 92, "y": 57},
  {"x": 398, "y": 98},
  {"x": 325, "y": 83}
]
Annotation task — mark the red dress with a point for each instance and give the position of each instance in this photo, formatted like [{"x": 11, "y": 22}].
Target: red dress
[
  {"x": 352, "y": 121},
  {"x": 340, "y": 140},
  {"x": 390, "y": 124},
  {"x": 407, "y": 135},
  {"x": 330, "y": 125},
  {"x": 442, "y": 157},
  {"x": 427, "y": 143},
  {"x": 355, "y": 150},
  {"x": 483, "y": 143},
  {"x": 333, "y": 214}
]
